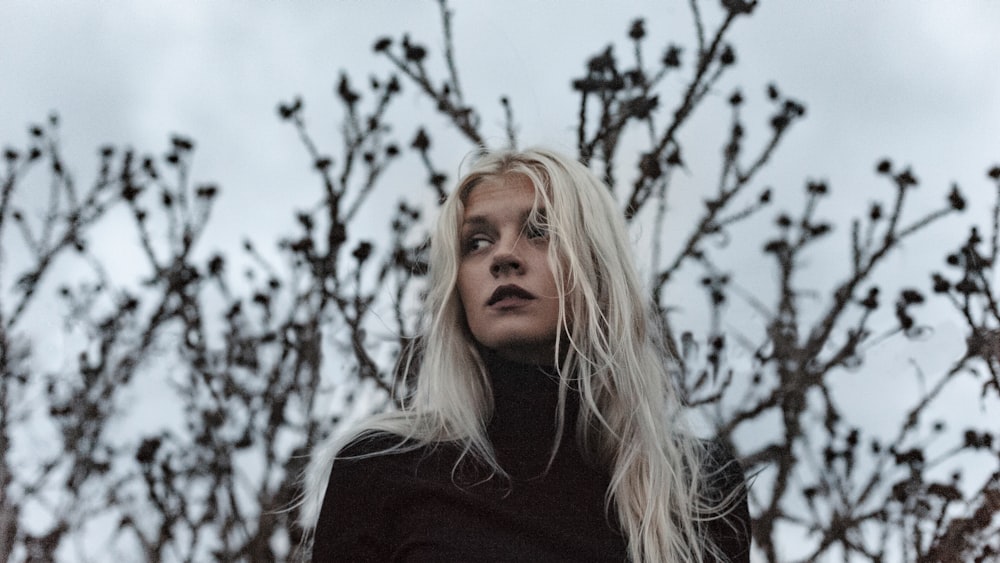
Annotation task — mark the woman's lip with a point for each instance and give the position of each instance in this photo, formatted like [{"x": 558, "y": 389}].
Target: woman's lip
[
  {"x": 509, "y": 291},
  {"x": 509, "y": 302}
]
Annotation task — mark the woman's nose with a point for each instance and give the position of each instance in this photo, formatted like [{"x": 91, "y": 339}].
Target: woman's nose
[{"x": 506, "y": 260}]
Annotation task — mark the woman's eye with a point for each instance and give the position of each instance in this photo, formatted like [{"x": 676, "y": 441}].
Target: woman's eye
[
  {"x": 475, "y": 243},
  {"x": 536, "y": 231}
]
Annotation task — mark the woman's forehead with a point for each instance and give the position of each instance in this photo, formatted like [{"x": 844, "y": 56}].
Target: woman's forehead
[
  {"x": 510, "y": 178},
  {"x": 502, "y": 193}
]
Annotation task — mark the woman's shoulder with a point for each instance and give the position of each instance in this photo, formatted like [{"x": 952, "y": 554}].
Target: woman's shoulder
[
  {"x": 381, "y": 449},
  {"x": 376, "y": 448},
  {"x": 367, "y": 462}
]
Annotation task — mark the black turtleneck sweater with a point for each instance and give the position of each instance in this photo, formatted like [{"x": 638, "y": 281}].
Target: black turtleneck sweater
[{"x": 417, "y": 506}]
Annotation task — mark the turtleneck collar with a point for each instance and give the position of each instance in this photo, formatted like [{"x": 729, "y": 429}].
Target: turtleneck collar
[
  {"x": 508, "y": 376},
  {"x": 523, "y": 427}
]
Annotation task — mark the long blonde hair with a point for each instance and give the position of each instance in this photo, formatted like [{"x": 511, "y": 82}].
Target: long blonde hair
[{"x": 631, "y": 419}]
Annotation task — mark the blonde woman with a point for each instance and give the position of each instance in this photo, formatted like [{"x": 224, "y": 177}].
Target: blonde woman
[{"x": 543, "y": 423}]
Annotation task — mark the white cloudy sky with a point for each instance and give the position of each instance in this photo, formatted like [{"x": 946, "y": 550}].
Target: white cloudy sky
[
  {"x": 912, "y": 80},
  {"x": 909, "y": 80}
]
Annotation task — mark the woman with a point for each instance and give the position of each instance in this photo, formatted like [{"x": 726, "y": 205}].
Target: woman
[{"x": 543, "y": 424}]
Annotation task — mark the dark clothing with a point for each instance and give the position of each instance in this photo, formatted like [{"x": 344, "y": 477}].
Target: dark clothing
[{"x": 415, "y": 506}]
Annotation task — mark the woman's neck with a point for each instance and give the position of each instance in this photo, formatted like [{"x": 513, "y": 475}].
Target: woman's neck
[{"x": 525, "y": 425}]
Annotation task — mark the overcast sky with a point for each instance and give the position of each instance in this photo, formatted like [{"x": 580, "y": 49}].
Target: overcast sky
[
  {"x": 908, "y": 80},
  {"x": 911, "y": 80}
]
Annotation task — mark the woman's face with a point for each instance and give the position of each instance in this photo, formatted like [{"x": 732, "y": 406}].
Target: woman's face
[{"x": 505, "y": 283}]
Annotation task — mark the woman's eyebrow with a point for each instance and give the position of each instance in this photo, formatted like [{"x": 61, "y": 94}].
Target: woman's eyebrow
[{"x": 475, "y": 221}]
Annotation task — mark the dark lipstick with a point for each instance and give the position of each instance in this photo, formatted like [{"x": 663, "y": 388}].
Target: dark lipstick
[{"x": 510, "y": 290}]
